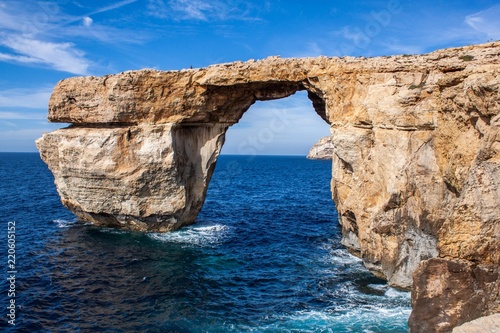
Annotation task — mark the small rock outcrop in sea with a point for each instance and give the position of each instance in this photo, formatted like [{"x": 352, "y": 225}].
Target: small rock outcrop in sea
[
  {"x": 322, "y": 150},
  {"x": 416, "y": 159}
]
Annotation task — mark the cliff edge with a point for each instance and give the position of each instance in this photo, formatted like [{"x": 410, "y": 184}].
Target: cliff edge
[{"x": 416, "y": 159}]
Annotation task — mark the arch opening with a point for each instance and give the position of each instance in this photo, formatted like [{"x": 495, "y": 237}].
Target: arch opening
[
  {"x": 227, "y": 104},
  {"x": 285, "y": 126},
  {"x": 278, "y": 247}
]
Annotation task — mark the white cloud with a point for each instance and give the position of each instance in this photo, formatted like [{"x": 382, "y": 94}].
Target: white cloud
[
  {"x": 427, "y": 33},
  {"x": 192, "y": 9},
  {"x": 10, "y": 115},
  {"x": 87, "y": 21},
  {"x": 354, "y": 34},
  {"x": 16, "y": 58},
  {"x": 216, "y": 10},
  {"x": 486, "y": 21},
  {"x": 22, "y": 29},
  {"x": 178, "y": 10},
  {"x": 25, "y": 98},
  {"x": 60, "y": 56},
  {"x": 113, "y": 6},
  {"x": 104, "y": 34},
  {"x": 157, "y": 8},
  {"x": 30, "y": 18},
  {"x": 9, "y": 21},
  {"x": 35, "y": 34}
]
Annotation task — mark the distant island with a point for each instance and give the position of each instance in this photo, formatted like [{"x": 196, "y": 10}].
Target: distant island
[{"x": 322, "y": 150}]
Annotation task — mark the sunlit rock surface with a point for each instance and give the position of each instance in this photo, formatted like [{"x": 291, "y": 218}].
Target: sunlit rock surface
[
  {"x": 489, "y": 324},
  {"x": 416, "y": 162},
  {"x": 321, "y": 150}
]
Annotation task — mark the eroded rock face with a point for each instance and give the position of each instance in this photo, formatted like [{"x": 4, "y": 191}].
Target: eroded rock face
[
  {"x": 416, "y": 160},
  {"x": 321, "y": 150},
  {"x": 144, "y": 177},
  {"x": 451, "y": 292}
]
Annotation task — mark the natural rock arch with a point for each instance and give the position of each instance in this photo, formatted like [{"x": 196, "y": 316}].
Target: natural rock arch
[
  {"x": 158, "y": 170},
  {"x": 415, "y": 167}
]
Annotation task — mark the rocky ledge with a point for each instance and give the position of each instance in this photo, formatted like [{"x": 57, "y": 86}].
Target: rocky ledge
[
  {"x": 488, "y": 324},
  {"x": 321, "y": 150},
  {"x": 416, "y": 159}
]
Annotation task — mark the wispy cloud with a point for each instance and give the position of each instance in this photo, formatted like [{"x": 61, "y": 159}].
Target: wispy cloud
[
  {"x": 24, "y": 46},
  {"x": 56, "y": 19},
  {"x": 353, "y": 34},
  {"x": 486, "y": 21},
  {"x": 60, "y": 56},
  {"x": 308, "y": 48},
  {"x": 193, "y": 9},
  {"x": 104, "y": 34},
  {"x": 65, "y": 21},
  {"x": 453, "y": 30},
  {"x": 430, "y": 30},
  {"x": 37, "y": 34},
  {"x": 216, "y": 10},
  {"x": 25, "y": 98},
  {"x": 113, "y": 6},
  {"x": 13, "y": 115}
]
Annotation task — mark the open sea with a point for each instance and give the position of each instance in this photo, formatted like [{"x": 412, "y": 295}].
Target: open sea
[{"x": 263, "y": 256}]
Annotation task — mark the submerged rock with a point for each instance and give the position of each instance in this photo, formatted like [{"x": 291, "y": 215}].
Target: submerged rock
[{"x": 416, "y": 158}]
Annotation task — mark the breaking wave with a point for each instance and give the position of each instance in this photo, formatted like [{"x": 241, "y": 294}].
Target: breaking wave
[{"x": 200, "y": 234}]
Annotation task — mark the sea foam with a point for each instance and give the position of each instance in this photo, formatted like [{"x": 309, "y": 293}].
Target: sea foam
[{"x": 202, "y": 234}]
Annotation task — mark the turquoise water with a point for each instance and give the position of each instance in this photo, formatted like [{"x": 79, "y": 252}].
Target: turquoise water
[{"x": 263, "y": 256}]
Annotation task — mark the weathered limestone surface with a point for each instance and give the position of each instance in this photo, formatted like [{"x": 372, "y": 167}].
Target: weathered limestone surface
[
  {"x": 321, "y": 150},
  {"x": 144, "y": 177},
  {"x": 489, "y": 324},
  {"x": 447, "y": 293},
  {"x": 416, "y": 163}
]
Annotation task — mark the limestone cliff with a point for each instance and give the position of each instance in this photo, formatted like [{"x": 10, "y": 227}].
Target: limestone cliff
[
  {"x": 416, "y": 163},
  {"x": 321, "y": 150}
]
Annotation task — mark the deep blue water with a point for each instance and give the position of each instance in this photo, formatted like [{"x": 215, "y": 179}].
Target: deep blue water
[{"x": 263, "y": 256}]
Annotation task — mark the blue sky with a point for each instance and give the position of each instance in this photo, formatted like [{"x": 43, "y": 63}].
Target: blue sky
[{"x": 42, "y": 42}]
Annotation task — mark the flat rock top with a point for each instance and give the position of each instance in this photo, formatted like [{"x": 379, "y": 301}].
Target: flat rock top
[
  {"x": 210, "y": 94},
  {"x": 489, "y": 324}
]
